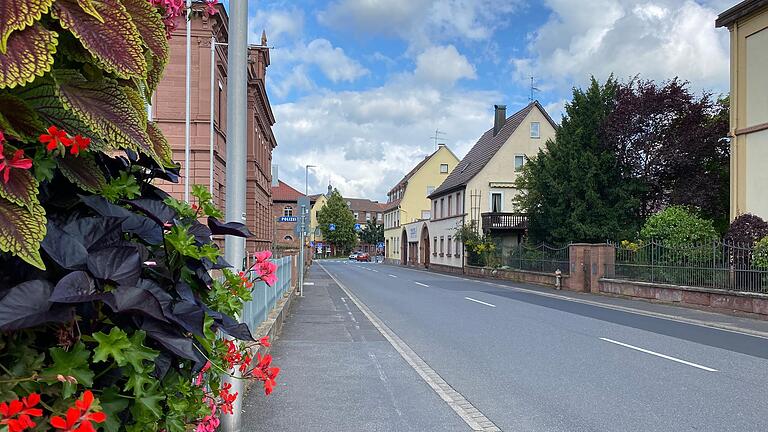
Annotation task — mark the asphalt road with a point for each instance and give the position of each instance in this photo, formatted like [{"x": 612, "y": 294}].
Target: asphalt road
[{"x": 534, "y": 363}]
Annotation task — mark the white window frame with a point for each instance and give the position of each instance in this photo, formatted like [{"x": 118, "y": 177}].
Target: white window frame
[
  {"x": 446, "y": 168},
  {"x": 490, "y": 201},
  {"x": 287, "y": 211},
  {"x": 537, "y": 133},
  {"x": 521, "y": 165}
]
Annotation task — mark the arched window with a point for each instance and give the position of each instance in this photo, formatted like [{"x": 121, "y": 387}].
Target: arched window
[
  {"x": 288, "y": 238},
  {"x": 287, "y": 211}
]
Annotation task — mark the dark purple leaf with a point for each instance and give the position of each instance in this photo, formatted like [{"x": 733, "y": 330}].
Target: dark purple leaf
[
  {"x": 27, "y": 305},
  {"x": 118, "y": 264},
  {"x": 201, "y": 232},
  {"x": 173, "y": 340},
  {"x": 75, "y": 287},
  {"x": 157, "y": 210},
  {"x": 65, "y": 249},
  {"x": 185, "y": 292},
  {"x": 142, "y": 226},
  {"x": 230, "y": 228},
  {"x": 137, "y": 300},
  {"x": 233, "y": 328},
  {"x": 95, "y": 232},
  {"x": 190, "y": 316}
]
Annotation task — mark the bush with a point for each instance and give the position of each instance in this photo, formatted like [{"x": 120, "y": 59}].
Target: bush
[
  {"x": 678, "y": 226},
  {"x": 108, "y": 313},
  {"x": 747, "y": 229},
  {"x": 760, "y": 253}
]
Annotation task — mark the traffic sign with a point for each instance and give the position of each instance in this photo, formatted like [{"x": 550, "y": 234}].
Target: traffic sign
[
  {"x": 311, "y": 243},
  {"x": 380, "y": 245},
  {"x": 303, "y": 202},
  {"x": 358, "y": 227},
  {"x": 288, "y": 219},
  {"x": 332, "y": 227}
]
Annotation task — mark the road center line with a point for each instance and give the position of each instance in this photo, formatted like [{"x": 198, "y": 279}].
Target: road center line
[
  {"x": 478, "y": 301},
  {"x": 375, "y": 271},
  {"x": 392, "y": 276},
  {"x": 475, "y": 419},
  {"x": 674, "y": 359},
  {"x": 424, "y": 285}
]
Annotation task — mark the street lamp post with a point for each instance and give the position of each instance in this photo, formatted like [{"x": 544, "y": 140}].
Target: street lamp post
[
  {"x": 304, "y": 210},
  {"x": 214, "y": 44}
]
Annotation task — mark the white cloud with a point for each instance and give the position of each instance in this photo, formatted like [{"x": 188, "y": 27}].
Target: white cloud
[
  {"x": 442, "y": 65},
  {"x": 657, "y": 39},
  {"x": 331, "y": 60},
  {"x": 280, "y": 25},
  {"x": 420, "y": 22}
]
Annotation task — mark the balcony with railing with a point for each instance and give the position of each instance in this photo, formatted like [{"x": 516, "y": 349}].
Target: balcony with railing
[{"x": 504, "y": 221}]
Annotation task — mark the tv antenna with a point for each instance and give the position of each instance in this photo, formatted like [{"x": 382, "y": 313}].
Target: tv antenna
[
  {"x": 533, "y": 89},
  {"x": 437, "y": 137}
]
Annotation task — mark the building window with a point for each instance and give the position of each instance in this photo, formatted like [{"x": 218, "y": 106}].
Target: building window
[
  {"x": 519, "y": 162},
  {"x": 449, "y": 246},
  {"x": 378, "y": 217},
  {"x": 356, "y": 215},
  {"x": 287, "y": 211},
  {"x": 288, "y": 238},
  {"x": 434, "y": 210},
  {"x": 459, "y": 210},
  {"x": 426, "y": 214},
  {"x": 442, "y": 245},
  {"x": 496, "y": 202},
  {"x": 434, "y": 249},
  {"x": 367, "y": 216},
  {"x": 442, "y": 207},
  {"x": 450, "y": 204},
  {"x": 444, "y": 168},
  {"x": 430, "y": 189},
  {"x": 458, "y": 248},
  {"x": 535, "y": 133}
]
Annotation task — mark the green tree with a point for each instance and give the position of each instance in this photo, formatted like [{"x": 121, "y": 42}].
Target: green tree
[
  {"x": 337, "y": 212},
  {"x": 678, "y": 226},
  {"x": 372, "y": 233},
  {"x": 572, "y": 189}
]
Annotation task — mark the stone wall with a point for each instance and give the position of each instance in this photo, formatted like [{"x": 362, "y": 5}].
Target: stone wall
[{"x": 525, "y": 276}]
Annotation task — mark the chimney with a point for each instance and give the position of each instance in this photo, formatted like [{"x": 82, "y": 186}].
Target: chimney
[{"x": 499, "y": 118}]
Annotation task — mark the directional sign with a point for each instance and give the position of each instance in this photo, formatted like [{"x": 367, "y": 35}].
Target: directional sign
[
  {"x": 311, "y": 243},
  {"x": 288, "y": 219},
  {"x": 332, "y": 227},
  {"x": 358, "y": 227},
  {"x": 303, "y": 202}
]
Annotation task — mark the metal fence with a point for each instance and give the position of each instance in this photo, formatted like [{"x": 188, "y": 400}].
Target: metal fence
[
  {"x": 716, "y": 265},
  {"x": 264, "y": 296},
  {"x": 538, "y": 258}
]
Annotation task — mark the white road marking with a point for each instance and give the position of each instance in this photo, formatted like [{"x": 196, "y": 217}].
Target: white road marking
[
  {"x": 392, "y": 276},
  {"x": 478, "y": 301},
  {"x": 376, "y": 271},
  {"x": 674, "y": 359},
  {"x": 309, "y": 283},
  {"x": 475, "y": 419},
  {"x": 424, "y": 285}
]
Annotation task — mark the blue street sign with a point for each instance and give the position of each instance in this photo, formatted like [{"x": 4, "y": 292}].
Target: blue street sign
[
  {"x": 358, "y": 227},
  {"x": 332, "y": 227},
  {"x": 288, "y": 219},
  {"x": 311, "y": 243},
  {"x": 380, "y": 245}
]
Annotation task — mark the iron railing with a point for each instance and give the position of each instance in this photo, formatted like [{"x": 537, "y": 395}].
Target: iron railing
[
  {"x": 540, "y": 258},
  {"x": 504, "y": 221},
  {"x": 257, "y": 310},
  {"x": 715, "y": 265}
]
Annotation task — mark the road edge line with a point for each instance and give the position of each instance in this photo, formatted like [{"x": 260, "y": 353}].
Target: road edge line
[{"x": 473, "y": 417}]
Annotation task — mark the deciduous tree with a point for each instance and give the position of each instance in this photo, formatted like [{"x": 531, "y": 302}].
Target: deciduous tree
[{"x": 336, "y": 212}]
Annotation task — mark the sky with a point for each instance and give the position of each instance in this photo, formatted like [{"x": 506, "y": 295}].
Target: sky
[{"x": 359, "y": 87}]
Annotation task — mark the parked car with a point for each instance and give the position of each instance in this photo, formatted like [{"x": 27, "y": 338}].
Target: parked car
[
  {"x": 364, "y": 257},
  {"x": 353, "y": 256}
]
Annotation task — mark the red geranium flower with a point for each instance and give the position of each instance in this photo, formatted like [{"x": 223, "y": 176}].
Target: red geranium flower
[
  {"x": 17, "y": 161},
  {"x": 55, "y": 137},
  {"x": 79, "y": 417},
  {"x": 24, "y": 409},
  {"x": 79, "y": 144},
  {"x": 264, "y": 341}
]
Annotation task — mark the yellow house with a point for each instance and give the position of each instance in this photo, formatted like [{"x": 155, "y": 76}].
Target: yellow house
[
  {"x": 407, "y": 201},
  {"x": 319, "y": 201},
  {"x": 748, "y": 25}
]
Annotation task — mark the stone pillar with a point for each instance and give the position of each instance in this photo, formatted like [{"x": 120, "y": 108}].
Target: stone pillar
[{"x": 589, "y": 263}]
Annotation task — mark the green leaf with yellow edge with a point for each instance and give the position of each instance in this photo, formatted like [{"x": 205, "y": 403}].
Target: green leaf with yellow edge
[
  {"x": 41, "y": 96},
  {"x": 89, "y": 8},
  {"x": 29, "y": 53},
  {"x": 150, "y": 25},
  {"x": 160, "y": 145},
  {"x": 104, "y": 107},
  {"x": 138, "y": 102},
  {"x": 84, "y": 172},
  {"x": 155, "y": 72},
  {"x": 21, "y": 188},
  {"x": 115, "y": 42},
  {"x": 18, "y": 14},
  {"x": 72, "y": 363},
  {"x": 18, "y": 119},
  {"x": 22, "y": 229}
]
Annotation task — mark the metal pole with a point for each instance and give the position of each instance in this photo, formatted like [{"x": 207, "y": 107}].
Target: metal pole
[
  {"x": 210, "y": 130},
  {"x": 237, "y": 109},
  {"x": 301, "y": 253},
  {"x": 187, "y": 114}
]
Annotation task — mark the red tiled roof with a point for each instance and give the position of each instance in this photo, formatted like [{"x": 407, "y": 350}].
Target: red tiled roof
[{"x": 285, "y": 193}]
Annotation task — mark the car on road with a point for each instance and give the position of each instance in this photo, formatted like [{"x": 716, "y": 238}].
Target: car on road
[
  {"x": 353, "y": 256},
  {"x": 363, "y": 256}
]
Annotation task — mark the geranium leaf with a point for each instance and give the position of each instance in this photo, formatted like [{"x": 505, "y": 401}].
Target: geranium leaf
[
  {"x": 84, "y": 172},
  {"x": 18, "y": 14},
  {"x": 21, "y": 231},
  {"x": 230, "y": 228},
  {"x": 111, "y": 345},
  {"x": 29, "y": 53},
  {"x": 138, "y": 353},
  {"x": 112, "y": 403},
  {"x": 21, "y": 188},
  {"x": 42, "y": 97},
  {"x": 160, "y": 145},
  {"x": 18, "y": 119},
  {"x": 150, "y": 25},
  {"x": 27, "y": 305},
  {"x": 105, "y": 108},
  {"x": 72, "y": 363},
  {"x": 115, "y": 41},
  {"x": 120, "y": 264}
]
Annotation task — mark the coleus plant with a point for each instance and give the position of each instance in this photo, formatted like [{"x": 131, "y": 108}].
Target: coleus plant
[{"x": 109, "y": 315}]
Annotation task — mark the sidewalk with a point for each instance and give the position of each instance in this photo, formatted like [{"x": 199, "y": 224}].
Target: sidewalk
[{"x": 338, "y": 373}]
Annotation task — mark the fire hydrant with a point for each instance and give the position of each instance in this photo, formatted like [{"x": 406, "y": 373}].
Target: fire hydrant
[{"x": 558, "y": 279}]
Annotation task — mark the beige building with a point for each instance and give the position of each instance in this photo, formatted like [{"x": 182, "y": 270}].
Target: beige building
[
  {"x": 748, "y": 25},
  {"x": 407, "y": 201},
  {"x": 481, "y": 189}
]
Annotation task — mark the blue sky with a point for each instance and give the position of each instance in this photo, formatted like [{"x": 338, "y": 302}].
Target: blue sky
[{"x": 359, "y": 86}]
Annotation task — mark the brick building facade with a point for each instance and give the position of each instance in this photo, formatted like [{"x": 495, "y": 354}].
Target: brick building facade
[
  {"x": 285, "y": 204},
  {"x": 168, "y": 110}
]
